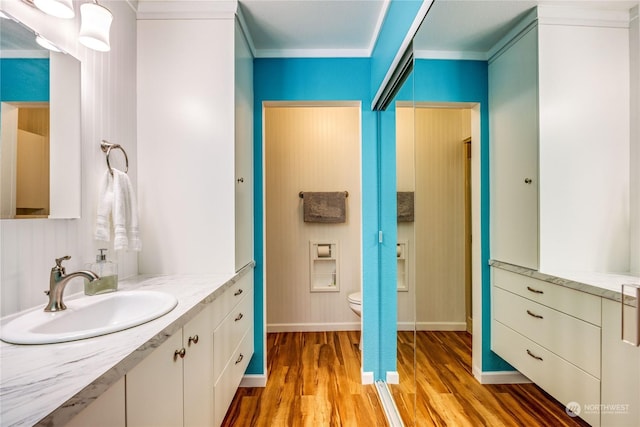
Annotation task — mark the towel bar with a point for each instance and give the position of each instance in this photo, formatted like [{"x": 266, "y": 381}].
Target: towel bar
[
  {"x": 301, "y": 194},
  {"x": 106, "y": 147}
]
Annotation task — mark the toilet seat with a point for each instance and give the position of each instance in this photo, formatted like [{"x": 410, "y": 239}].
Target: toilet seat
[{"x": 355, "y": 298}]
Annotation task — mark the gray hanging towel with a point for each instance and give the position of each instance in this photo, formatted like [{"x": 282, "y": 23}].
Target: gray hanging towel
[
  {"x": 325, "y": 207},
  {"x": 405, "y": 206}
]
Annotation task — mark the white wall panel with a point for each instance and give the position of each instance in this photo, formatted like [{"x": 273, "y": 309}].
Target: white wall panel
[
  {"x": 28, "y": 247},
  {"x": 634, "y": 56}
]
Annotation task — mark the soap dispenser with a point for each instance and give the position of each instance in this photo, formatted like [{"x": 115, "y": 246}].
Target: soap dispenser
[{"x": 108, "y": 273}]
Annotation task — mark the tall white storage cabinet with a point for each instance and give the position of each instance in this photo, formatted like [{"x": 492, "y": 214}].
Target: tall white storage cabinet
[
  {"x": 559, "y": 135},
  {"x": 195, "y": 126}
]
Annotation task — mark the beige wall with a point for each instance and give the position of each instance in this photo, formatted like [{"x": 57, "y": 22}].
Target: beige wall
[
  {"x": 439, "y": 246},
  {"x": 310, "y": 149}
]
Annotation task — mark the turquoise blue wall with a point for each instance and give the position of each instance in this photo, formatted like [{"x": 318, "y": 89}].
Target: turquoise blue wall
[
  {"x": 24, "y": 80},
  {"x": 466, "y": 81},
  {"x": 321, "y": 79}
]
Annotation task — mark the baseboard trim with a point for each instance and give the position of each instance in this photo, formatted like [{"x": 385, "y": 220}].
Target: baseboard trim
[
  {"x": 393, "y": 377},
  {"x": 500, "y": 377},
  {"x": 254, "y": 380},
  {"x": 366, "y": 377},
  {"x": 441, "y": 326},
  {"x": 313, "y": 327}
]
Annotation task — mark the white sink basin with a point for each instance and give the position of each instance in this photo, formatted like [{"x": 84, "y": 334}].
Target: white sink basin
[{"x": 88, "y": 317}]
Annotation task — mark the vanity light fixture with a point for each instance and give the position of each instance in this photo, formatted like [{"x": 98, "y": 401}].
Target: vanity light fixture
[
  {"x": 57, "y": 8},
  {"x": 95, "y": 25},
  {"x": 47, "y": 44}
]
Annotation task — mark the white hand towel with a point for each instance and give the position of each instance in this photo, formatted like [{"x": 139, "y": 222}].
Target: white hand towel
[
  {"x": 118, "y": 201},
  {"x": 105, "y": 204}
]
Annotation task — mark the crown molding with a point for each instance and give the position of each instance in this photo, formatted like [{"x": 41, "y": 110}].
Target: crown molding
[
  {"x": 186, "y": 9},
  {"x": 450, "y": 54},
  {"x": 312, "y": 53}
]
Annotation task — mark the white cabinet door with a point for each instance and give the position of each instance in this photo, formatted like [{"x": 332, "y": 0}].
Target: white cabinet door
[
  {"x": 108, "y": 410},
  {"x": 198, "y": 370},
  {"x": 154, "y": 388},
  {"x": 243, "y": 150},
  {"x": 620, "y": 372},
  {"x": 513, "y": 103}
]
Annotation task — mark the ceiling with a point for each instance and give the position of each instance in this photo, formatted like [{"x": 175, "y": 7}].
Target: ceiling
[{"x": 339, "y": 28}]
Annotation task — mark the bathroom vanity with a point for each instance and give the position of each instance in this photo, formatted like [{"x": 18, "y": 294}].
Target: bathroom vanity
[
  {"x": 196, "y": 354},
  {"x": 564, "y": 334}
]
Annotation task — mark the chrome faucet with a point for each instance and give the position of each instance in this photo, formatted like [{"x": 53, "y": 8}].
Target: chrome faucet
[{"x": 58, "y": 281}]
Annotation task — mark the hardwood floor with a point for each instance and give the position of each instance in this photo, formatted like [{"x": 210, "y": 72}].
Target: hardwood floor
[
  {"x": 449, "y": 395},
  {"x": 314, "y": 380}
]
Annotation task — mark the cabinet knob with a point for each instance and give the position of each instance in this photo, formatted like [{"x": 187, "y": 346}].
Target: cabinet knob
[
  {"x": 239, "y": 316},
  {"x": 240, "y": 180},
  {"x": 194, "y": 339},
  {"x": 528, "y": 180},
  {"x": 238, "y": 292},
  {"x": 239, "y": 359},
  {"x": 180, "y": 353}
]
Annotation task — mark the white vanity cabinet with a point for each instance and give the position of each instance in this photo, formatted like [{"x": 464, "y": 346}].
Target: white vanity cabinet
[
  {"x": 108, "y": 410},
  {"x": 558, "y": 89},
  {"x": 550, "y": 334},
  {"x": 192, "y": 377},
  {"x": 620, "y": 372},
  {"x": 173, "y": 386}
]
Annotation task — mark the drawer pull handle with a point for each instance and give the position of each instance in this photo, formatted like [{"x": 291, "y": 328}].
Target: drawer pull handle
[
  {"x": 239, "y": 316},
  {"x": 535, "y": 291},
  {"x": 180, "y": 353},
  {"x": 537, "y": 316},
  {"x": 238, "y": 292},
  {"x": 194, "y": 339},
  {"x": 533, "y": 355},
  {"x": 239, "y": 359}
]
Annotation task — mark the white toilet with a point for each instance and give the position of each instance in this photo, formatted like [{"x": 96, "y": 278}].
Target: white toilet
[{"x": 355, "y": 303}]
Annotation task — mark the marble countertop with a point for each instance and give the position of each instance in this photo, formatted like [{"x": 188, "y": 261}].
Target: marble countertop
[
  {"x": 605, "y": 285},
  {"x": 49, "y": 384}
]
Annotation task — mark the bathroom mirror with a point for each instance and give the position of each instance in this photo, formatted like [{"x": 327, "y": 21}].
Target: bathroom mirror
[{"x": 40, "y": 128}]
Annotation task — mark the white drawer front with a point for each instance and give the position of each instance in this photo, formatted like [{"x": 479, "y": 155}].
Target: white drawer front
[
  {"x": 556, "y": 376},
  {"x": 226, "y": 386},
  {"x": 572, "y": 339},
  {"x": 231, "y": 297},
  {"x": 230, "y": 332},
  {"x": 572, "y": 302}
]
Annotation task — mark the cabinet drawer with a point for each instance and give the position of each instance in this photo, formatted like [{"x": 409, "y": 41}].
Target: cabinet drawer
[
  {"x": 228, "y": 335},
  {"x": 569, "y": 301},
  {"x": 231, "y": 297},
  {"x": 556, "y": 376},
  {"x": 226, "y": 386},
  {"x": 572, "y": 339}
]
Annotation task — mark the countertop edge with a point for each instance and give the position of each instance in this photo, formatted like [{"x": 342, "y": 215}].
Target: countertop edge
[{"x": 560, "y": 281}]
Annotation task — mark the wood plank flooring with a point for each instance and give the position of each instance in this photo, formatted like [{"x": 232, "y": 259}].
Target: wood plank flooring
[
  {"x": 449, "y": 395},
  {"x": 314, "y": 380}
]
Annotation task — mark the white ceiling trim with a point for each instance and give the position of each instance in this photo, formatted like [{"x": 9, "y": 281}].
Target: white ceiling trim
[
  {"x": 449, "y": 54},
  {"x": 245, "y": 30},
  {"x": 312, "y": 53}
]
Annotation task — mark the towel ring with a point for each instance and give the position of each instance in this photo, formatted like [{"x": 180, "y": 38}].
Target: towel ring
[{"x": 106, "y": 147}]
